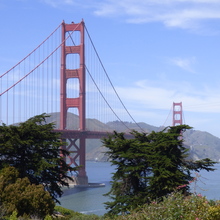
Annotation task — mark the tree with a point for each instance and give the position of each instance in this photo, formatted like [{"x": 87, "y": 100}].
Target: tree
[
  {"x": 148, "y": 167},
  {"x": 18, "y": 194},
  {"x": 34, "y": 150}
]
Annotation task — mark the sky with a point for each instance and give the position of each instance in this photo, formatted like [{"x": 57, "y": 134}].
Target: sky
[{"x": 155, "y": 52}]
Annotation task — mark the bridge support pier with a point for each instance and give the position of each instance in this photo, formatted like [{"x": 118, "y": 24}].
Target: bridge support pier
[
  {"x": 82, "y": 180},
  {"x": 82, "y": 177}
]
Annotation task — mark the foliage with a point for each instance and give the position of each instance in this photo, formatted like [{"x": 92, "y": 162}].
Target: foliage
[
  {"x": 148, "y": 167},
  {"x": 214, "y": 212},
  {"x": 19, "y": 196},
  {"x": 13, "y": 216},
  {"x": 34, "y": 150},
  {"x": 48, "y": 217},
  {"x": 87, "y": 217},
  {"x": 177, "y": 206},
  {"x": 69, "y": 214}
]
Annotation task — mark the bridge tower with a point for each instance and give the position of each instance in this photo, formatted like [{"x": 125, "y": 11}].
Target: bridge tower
[
  {"x": 78, "y": 102},
  {"x": 177, "y": 114}
]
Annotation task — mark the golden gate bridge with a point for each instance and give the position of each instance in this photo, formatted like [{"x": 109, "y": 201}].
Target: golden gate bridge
[{"x": 65, "y": 78}]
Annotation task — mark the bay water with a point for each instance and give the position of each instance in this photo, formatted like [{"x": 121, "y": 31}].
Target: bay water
[{"x": 90, "y": 200}]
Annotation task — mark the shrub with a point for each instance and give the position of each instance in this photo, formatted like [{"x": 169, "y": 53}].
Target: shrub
[
  {"x": 176, "y": 206},
  {"x": 72, "y": 215},
  {"x": 214, "y": 212},
  {"x": 18, "y": 194}
]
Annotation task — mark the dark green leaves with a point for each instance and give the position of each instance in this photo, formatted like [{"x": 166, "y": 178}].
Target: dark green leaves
[
  {"x": 34, "y": 150},
  {"x": 148, "y": 167}
]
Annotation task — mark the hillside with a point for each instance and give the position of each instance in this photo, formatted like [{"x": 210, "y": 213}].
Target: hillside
[{"x": 201, "y": 144}]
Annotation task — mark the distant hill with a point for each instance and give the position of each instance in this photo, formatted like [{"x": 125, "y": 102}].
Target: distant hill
[
  {"x": 201, "y": 144},
  {"x": 120, "y": 127}
]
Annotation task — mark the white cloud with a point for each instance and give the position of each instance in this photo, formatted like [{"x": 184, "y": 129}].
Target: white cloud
[
  {"x": 187, "y": 14},
  {"x": 183, "y": 63},
  {"x": 161, "y": 95}
]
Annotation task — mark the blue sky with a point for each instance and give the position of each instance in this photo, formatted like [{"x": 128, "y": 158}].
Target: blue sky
[{"x": 155, "y": 52}]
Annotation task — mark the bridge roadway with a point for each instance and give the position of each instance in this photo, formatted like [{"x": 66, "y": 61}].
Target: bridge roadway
[{"x": 76, "y": 134}]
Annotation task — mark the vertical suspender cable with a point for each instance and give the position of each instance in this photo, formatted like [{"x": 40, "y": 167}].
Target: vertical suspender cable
[
  {"x": 1, "y": 118},
  {"x": 24, "y": 100},
  {"x": 33, "y": 87},
  {"x": 47, "y": 77},
  {"x": 13, "y": 100},
  {"x": 25, "y": 95},
  {"x": 43, "y": 80},
  {"x": 19, "y": 96},
  {"x": 7, "y": 104},
  {"x": 28, "y": 92},
  {"x": 111, "y": 82}
]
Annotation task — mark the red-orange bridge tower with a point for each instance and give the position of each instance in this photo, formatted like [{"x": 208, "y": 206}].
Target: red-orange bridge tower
[
  {"x": 75, "y": 138},
  {"x": 177, "y": 113}
]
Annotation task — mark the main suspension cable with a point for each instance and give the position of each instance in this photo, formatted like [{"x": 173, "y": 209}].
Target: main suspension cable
[{"x": 110, "y": 81}]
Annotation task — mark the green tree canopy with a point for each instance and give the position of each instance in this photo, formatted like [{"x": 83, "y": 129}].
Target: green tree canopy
[
  {"x": 34, "y": 149},
  {"x": 148, "y": 167},
  {"x": 18, "y": 194}
]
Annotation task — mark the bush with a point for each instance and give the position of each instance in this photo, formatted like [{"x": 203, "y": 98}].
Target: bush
[
  {"x": 214, "y": 212},
  {"x": 72, "y": 215},
  {"x": 18, "y": 194},
  {"x": 64, "y": 213},
  {"x": 177, "y": 206}
]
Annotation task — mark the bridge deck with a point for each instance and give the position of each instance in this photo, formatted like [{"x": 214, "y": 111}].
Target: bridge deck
[{"x": 87, "y": 134}]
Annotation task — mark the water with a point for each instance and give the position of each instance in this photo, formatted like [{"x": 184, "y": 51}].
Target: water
[
  {"x": 208, "y": 184},
  {"x": 90, "y": 200}
]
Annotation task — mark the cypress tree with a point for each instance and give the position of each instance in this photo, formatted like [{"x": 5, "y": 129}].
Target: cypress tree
[
  {"x": 148, "y": 167},
  {"x": 34, "y": 149}
]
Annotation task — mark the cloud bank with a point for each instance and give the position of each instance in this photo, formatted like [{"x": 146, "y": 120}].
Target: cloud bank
[
  {"x": 185, "y": 14},
  {"x": 160, "y": 95}
]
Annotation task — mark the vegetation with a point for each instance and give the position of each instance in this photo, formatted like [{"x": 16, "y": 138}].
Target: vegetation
[
  {"x": 71, "y": 215},
  {"x": 32, "y": 168},
  {"x": 34, "y": 150},
  {"x": 60, "y": 213},
  {"x": 176, "y": 206},
  {"x": 149, "y": 167},
  {"x": 173, "y": 207},
  {"x": 20, "y": 196}
]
